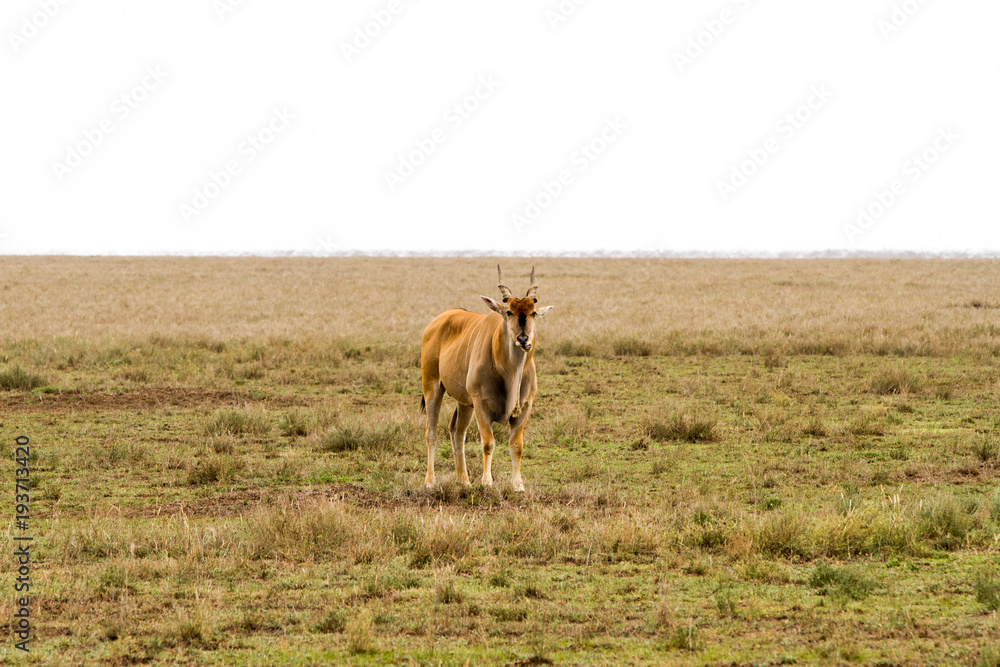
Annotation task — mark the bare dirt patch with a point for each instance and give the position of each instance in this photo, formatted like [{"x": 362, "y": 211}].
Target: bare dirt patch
[
  {"x": 148, "y": 399},
  {"x": 243, "y": 502},
  {"x": 239, "y": 503}
]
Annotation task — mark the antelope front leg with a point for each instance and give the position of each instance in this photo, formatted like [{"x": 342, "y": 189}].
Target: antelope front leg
[
  {"x": 517, "y": 449},
  {"x": 489, "y": 442}
]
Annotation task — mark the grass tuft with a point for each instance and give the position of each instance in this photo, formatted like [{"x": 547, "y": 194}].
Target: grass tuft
[
  {"x": 394, "y": 578},
  {"x": 570, "y": 348},
  {"x": 296, "y": 423},
  {"x": 842, "y": 581},
  {"x": 986, "y": 450},
  {"x": 215, "y": 468},
  {"x": 190, "y": 630},
  {"x": 869, "y": 422},
  {"x": 334, "y": 622},
  {"x": 236, "y": 422},
  {"x": 500, "y": 579},
  {"x": 894, "y": 380},
  {"x": 990, "y": 656},
  {"x": 531, "y": 589},
  {"x": 987, "y": 590},
  {"x": 360, "y": 633},
  {"x": 683, "y": 638},
  {"x": 358, "y": 436},
  {"x": 448, "y": 593},
  {"x": 16, "y": 378},
  {"x": 725, "y": 603},
  {"x": 632, "y": 347},
  {"x": 509, "y": 614},
  {"x": 945, "y": 522},
  {"x": 774, "y": 358},
  {"x": 681, "y": 426},
  {"x": 815, "y": 427}
]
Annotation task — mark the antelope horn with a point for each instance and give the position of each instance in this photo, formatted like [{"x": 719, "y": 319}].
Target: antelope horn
[
  {"x": 504, "y": 290},
  {"x": 533, "y": 289}
]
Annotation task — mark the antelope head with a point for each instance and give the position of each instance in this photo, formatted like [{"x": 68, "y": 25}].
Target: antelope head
[{"x": 518, "y": 315}]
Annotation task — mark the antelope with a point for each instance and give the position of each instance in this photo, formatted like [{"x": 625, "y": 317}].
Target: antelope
[{"x": 485, "y": 362}]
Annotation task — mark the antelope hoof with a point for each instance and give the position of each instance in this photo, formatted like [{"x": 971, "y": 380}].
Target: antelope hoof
[
  {"x": 487, "y": 481},
  {"x": 429, "y": 482},
  {"x": 519, "y": 486}
]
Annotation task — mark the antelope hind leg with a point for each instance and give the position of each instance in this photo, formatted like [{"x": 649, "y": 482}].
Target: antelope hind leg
[
  {"x": 433, "y": 407},
  {"x": 459, "y": 426}
]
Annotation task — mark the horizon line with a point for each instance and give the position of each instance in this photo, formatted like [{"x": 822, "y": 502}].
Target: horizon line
[{"x": 387, "y": 254}]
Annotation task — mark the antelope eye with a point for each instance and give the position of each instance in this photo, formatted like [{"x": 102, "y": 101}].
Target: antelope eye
[
  {"x": 534, "y": 314},
  {"x": 509, "y": 313}
]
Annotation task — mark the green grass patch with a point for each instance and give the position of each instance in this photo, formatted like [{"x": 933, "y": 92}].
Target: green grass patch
[{"x": 844, "y": 581}]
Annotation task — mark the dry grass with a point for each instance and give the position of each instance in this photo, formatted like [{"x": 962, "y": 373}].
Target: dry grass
[
  {"x": 721, "y": 454},
  {"x": 914, "y": 307}
]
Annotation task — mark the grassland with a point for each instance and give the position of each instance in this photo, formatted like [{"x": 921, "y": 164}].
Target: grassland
[{"x": 729, "y": 462}]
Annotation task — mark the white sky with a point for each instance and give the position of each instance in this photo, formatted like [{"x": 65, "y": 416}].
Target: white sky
[{"x": 673, "y": 132}]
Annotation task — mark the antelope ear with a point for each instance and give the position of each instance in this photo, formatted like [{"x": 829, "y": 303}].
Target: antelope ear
[
  {"x": 541, "y": 313},
  {"x": 494, "y": 306}
]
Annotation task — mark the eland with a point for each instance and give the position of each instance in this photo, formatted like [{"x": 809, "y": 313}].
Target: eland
[{"x": 485, "y": 362}]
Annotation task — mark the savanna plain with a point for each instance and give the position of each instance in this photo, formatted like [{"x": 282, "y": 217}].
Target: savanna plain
[{"x": 729, "y": 462}]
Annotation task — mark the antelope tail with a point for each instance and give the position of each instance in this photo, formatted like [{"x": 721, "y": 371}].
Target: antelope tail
[{"x": 423, "y": 404}]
